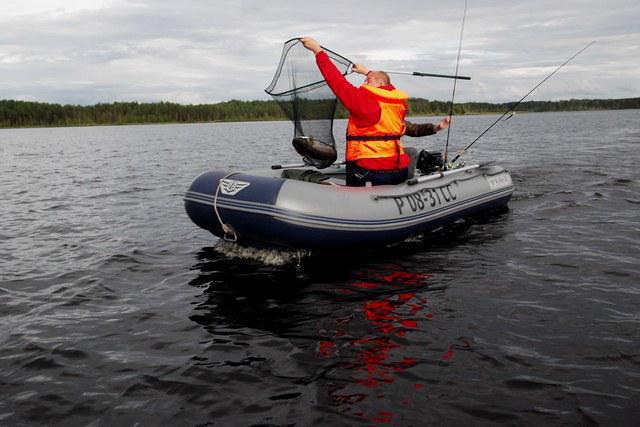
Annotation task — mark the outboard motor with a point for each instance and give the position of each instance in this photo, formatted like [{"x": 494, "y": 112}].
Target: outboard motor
[{"x": 429, "y": 161}]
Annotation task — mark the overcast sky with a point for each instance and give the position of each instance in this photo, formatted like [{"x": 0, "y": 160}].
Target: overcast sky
[{"x": 188, "y": 51}]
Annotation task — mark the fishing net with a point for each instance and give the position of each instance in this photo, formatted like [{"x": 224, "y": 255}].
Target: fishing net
[{"x": 302, "y": 93}]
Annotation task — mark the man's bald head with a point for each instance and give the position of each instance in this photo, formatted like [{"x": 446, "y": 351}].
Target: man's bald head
[{"x": 378, "y": 78}]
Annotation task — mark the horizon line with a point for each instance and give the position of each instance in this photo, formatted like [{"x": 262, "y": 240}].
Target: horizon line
[{"x": 271, "y": 100}]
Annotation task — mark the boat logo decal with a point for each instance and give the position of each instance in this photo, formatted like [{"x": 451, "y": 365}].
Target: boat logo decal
[
  {"x": 425, "y": 198},
  {"x": 231, "y": 187}
]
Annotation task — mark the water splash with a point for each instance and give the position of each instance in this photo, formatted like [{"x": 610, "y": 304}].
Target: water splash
[{"x": 268, "y": 256}]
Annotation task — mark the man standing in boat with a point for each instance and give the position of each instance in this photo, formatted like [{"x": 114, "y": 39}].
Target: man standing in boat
[{"x": 376, "y": 122}]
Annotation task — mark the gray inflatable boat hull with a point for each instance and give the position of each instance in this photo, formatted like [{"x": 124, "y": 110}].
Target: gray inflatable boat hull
[{"x": 260, "y": 207}]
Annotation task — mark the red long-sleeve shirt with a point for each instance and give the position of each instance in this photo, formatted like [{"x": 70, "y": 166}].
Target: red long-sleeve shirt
[{"x": 363, "y": 109}]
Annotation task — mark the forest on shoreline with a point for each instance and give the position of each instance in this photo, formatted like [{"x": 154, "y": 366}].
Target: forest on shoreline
[{"x": 39, "y": 114}]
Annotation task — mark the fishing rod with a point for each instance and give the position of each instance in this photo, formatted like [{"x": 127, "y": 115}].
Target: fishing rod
[
  {"x": 419, "y": 74},
  {"x": 453, "y": 95},
  {"x": 522, "y": 99}
]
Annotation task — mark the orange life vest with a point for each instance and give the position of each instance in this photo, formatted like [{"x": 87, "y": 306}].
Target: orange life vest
[{"x": 383, "y": 138}]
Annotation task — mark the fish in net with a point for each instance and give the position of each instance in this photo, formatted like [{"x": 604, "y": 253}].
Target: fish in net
[{"x": 302, "y": 93}]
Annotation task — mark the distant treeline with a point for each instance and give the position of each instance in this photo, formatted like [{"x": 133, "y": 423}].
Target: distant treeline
[{"x": 24, "y": 113}]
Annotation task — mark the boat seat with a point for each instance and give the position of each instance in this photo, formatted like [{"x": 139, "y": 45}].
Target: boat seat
[{"x": 412, "y": 152}]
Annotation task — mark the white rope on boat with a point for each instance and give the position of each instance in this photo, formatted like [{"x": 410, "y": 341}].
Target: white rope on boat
[{"x": 226, "y": 229}]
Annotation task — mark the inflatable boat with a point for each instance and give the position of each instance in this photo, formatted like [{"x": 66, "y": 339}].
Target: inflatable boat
[
  {"x": 309, "y": 205},
  {"x": 307, "y": 208}
]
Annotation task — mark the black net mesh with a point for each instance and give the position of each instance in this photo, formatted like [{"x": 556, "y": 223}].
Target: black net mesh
[{"x": 301, "y": 91}]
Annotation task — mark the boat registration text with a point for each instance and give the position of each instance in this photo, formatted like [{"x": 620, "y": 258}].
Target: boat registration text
[{"x": 425, "y": 198}]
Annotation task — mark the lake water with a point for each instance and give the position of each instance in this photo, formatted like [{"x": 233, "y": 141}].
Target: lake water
[{"x": 115, "y": 309}]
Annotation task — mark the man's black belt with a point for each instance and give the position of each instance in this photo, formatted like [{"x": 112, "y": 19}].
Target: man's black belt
[{"x": 374, "y": 138}]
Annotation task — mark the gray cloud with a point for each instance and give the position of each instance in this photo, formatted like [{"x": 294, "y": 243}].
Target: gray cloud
[{"x": 196, "y": 52}]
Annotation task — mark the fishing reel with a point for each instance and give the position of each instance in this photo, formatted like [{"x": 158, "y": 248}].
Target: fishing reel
[{"x": 455, "y": 164}]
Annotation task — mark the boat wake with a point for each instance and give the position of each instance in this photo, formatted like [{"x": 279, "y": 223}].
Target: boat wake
[{"x": 268, "y": 256}]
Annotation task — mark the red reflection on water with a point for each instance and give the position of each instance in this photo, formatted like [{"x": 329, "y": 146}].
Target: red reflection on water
[
  {"x": 326, "y": 349},
  {"x": 378, "y": 357},
  {"x": 379, "y": 311},
  {"x": 448, "y": 354},
  {"x": 373, "y": 355},
  {"x": 415, "y": 308},
  {"x": 406, "y": 362},
  {"x": 407, "y": 323},
  {"x": 406, "y": 297},
  {"x": 365, "y": 285},
  {"x": 384, "y": 417},
  {"x": 392, "y": 317},
  {"x": 402, "y": 277}
]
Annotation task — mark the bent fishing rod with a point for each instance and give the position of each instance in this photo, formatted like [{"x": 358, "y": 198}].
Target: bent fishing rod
[
  {"x": 453, "y": 95},
  {"x": 460, "y": 153},
  {"x": 406, "y": 73}
]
